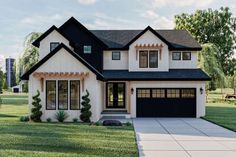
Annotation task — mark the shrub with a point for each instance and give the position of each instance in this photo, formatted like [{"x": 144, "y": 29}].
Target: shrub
[
  {"x": 128, "y": 124},
  {"x": 85, "y": 110},
  {"x": 49, "y": 120},
  {"x": 61, "y": 116},
  {"x": 98, "y": 123},
  {"x": 111, "y": 123},
  {"x": 35, "y": 111},
  {"x": 24, "y": 118},
  {"x": 75, "y": 120}
]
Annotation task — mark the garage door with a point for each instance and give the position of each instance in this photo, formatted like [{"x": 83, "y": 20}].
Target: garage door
[{"x": 166, "y": 102}]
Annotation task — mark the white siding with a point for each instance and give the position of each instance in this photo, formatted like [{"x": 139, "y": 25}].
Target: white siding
[
  {"x": 171, "y": 84},
  {"x": 184, "y": 64},
  {"x": 148, "y": 38},
  {"x": 54, "y": 36},
  {"x": 62, "y": 61},
  {"x": 108, "y": 63}
]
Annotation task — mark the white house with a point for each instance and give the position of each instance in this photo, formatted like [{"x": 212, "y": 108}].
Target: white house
[{"x": 131, "y": 73}]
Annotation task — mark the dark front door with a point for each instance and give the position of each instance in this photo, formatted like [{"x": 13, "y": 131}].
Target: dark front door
[
  {"x": 115, "y": 95},
  {"x": 166, "y": 102}
]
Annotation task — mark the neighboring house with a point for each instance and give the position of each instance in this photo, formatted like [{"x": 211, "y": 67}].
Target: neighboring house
[{"x": 131, "y": 73}]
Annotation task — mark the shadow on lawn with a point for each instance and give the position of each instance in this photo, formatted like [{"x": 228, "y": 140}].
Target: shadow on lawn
[
  {"x": 46, "y": 137},
  {"x": 7, "y": 115}
]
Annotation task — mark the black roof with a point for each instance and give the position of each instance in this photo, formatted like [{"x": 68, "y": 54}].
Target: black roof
[
  {"x": 25, "y": 76},
  {"x": 171, "y": 75},
  {"x": 176, "y": 39}
]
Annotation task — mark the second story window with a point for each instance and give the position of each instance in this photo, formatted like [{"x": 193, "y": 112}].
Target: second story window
[
  {"x": 148, "y": 59},
  {"x": 176, "y": 55},
  {"x": 143, "y": 59},
  {"x": 186, "y": 55},
  {"x": 153, "y": 59},
  {"x": 53, "y": 45},
  {"x": 87, "y": 49},
  {"x": 116, "y": 55}
]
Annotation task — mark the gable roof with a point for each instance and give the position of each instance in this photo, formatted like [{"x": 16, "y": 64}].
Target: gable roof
[
  {"x": 45, "y": 34},
  {"x": 25, "y": 76},
  {"x": 177, "y": 39}
]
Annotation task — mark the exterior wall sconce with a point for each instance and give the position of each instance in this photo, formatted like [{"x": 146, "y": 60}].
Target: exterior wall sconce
[
  {"x": 132, "y": 90},
  {"x": 201, "y": 90}
]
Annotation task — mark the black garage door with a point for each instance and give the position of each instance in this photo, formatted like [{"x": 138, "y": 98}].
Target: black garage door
[{"x": 166, "y": 102}]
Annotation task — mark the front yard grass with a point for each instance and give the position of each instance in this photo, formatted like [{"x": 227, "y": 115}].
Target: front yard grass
[
  {"x": 20, "y": 139},
  {"x": 221, "y": 112}
]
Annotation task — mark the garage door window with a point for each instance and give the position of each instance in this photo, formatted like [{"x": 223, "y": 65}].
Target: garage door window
[
  {"x": 173, "y": 93},
  {"x": 158, "y": 93},
  {"x": 188, "y": 93},
  {"x": 144, "y": 93}
]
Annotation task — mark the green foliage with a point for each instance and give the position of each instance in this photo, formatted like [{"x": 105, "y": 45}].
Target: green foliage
[
  {"x": 61, "y": 116},
  {"x": 213, "y": 26},
  {"x": 1, "y": 80},
  {"x": 49, "y": 120},
  {"x": 128, "y": 124},
  {"x": 24, "y": 118},
  {"x": 4, "y": 82},
  {"x": 36, "y": 112},
  {"x": 209, "y": 63},
  {"x": 85, "y": 111}
]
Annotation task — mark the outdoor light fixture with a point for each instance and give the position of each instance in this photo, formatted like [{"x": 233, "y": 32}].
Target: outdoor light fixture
[
  {"x": 132, "y": 90},
  {"x": 201, "y": 90}
]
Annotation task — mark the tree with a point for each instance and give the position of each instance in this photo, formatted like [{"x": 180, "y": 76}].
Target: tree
[
  {"x": 85, "y": 111},
  {"x": 36, "y": 112},
  {"x": 29, "y": 58},
  {"x": 212, "y": 26},
  {"x": 209, "y": 63},
  {"x": 5, "y": 86}
]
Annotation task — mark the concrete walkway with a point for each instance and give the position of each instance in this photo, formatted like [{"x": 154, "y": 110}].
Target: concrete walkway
[{"x": 183, "y": 137}]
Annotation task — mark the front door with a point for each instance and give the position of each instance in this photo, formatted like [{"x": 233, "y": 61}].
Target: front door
[{"x": 115, "y": 95}]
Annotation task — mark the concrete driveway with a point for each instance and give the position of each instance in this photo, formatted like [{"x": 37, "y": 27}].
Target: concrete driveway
[{"x": 183, "y": 137}]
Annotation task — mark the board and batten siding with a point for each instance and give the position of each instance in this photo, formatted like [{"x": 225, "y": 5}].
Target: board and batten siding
[
  {"x": 109, "y": 64},
  {"x": 63, "y": 61},
  {"x": 54, "y": 36}
]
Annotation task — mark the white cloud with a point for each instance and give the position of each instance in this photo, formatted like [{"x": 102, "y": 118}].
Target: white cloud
[
  {"x": 157, "y": 21},
  {"x": 180, "y": 3},
  {"x": 87, "y": 2}
]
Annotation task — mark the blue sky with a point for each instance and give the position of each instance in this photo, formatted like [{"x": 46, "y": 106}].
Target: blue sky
[{"x": 20, "y": 17}]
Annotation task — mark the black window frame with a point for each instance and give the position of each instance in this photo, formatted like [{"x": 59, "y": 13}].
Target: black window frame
[
  {"x": 141, "y": 51},
  {"x": 156, "y": 51},
  {"x": 58, "y": 105},
  {"x": 79, "y": 95},
  {"x": 52, "y": 43},
  {"x": 189, "y": 56},
  {"x": 113, "y": 52},
  {"x": 55, "y": 94},
  {"x": 84, "y": 47},
  {"x": 179, "y": 55}
]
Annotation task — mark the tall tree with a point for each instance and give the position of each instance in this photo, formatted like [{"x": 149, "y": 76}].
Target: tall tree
[
  {"x": 1, "y": 80},
  {"x": 212, "y": 26},
  {"x": 209, "y": 63}
]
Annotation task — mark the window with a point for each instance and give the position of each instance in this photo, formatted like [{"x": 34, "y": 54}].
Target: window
[
  {"x": 116, "y": 55},
  {"x": 53, "y": 45},
  {"x": 186, "y": 55},
  {"x": 87, "y": 49},
  {"x": 62, "y": 95},
  {"x": 50, "y": 95},
  {"x": 158, "y": 93},
  {"x": 173, "y": 93},
  {"x": 144, "y": 93},
  {"x": 75, "y": 95},
  {"x": 153, "y": 59},
  {"x": 143, "y": 59},
  {"x": 188, "y": 93},
  {"x": 176, "y": 55}
]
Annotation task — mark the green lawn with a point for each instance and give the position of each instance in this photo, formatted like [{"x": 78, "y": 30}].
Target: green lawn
[
  {"x": 221, "y": 112},
  {"x": 20, "y": 139}
]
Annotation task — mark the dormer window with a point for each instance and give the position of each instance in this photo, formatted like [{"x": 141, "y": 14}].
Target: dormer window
[
  {"x": 116, "y": 55},
  {"x": 148, "y": 59},
  {"x": 87, "y": 49},
  {"x": 53, "y": 45}
]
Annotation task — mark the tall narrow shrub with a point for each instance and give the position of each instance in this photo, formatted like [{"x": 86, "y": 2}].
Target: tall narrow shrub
[
  {"x": 85, "y": 110},
  {"x": 35, "y": 111}
]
